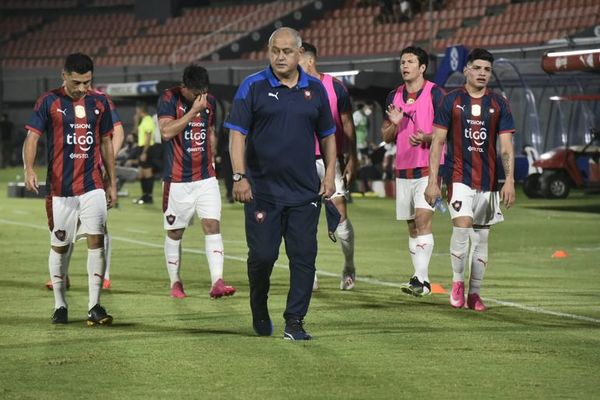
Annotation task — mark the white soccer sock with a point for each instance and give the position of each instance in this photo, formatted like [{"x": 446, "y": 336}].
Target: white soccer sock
[
  {"x": 459, "y": 251},
  {"x": 479, "y": 259},
  {"x": 107, "y": 254},
  {"x": 173, "y": 258},
  {"x": 423, "y": 251},
  {"x": 215, "y": 255},
  {"x": 412, "y": 249},
  {"x": 57, "y": 265},
  {"x": 67, "y": 262},
  {"x": 95, "y": 268},
  {"x": 345, "y": 232}
]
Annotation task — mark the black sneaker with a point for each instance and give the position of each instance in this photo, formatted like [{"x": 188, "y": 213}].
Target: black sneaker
[
  {"x": 261, "y": 321},
  {"x": 98, "y": 316},
  {"x": 263, "y": 327},
  {"x": 60, "y": 316},
  {"x": 295, "y": 331},
  {"x": 414, "y": 287}
]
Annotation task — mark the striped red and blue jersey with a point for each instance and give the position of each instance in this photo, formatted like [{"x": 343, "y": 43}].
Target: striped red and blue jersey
[
  {"x": 116, "y": 119},
  {"x": 74, "y": 131},
  {"x": 187, "y": 156},
  {"x": 473, "y": 126}
]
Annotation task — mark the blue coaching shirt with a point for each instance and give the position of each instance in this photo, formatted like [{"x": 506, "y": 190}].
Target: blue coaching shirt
[{"x": 280, "y": 124}]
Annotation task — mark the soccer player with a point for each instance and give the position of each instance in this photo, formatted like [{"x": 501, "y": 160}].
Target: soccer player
[
  {"x": 186, "y": 117},
  {"x": 476, "y": 118},
  {"x": 409, "y": 123},
  {"x": 273, "y": 121},
  {"x": 78, "y": 126},
  {"x": 118, "y": 136},
  {"x": 341, "y": 109}
]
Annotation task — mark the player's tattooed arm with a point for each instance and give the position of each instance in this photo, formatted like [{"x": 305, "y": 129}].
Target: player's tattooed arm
[
  {"x": 507, "y": 154},
  {"x": 507, "y": 163}
]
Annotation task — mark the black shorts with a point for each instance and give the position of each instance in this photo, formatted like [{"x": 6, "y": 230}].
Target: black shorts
[{"x": 153, "y": 157}]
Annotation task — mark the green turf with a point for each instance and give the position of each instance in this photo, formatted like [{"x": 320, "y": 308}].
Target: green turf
[{"x": 371, "y": 343}]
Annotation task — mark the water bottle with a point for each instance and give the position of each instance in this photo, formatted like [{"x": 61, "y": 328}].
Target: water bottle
[{"x": 440, "y": 205}]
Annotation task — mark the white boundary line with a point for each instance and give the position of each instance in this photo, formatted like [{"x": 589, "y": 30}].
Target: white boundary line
[{"x": 533, "y": 309}]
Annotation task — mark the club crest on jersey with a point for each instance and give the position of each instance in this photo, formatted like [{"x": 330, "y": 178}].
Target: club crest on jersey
[
  {"x": 307, "y": 95},
  {"x": 410, "y": 101},
  {"x": 260, "y": 216},
  {"x": 80, "y": 111},
  {"x": 457, "y": 205},
  {"x": 476, "y": 110},
  {"x": 60, "y": 235},
  {"x": 171, "y": 219}
]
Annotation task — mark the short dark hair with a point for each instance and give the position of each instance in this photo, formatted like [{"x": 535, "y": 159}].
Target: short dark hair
[
  {"x": 309, "y": 48},
  {"x": 421, "y": 54},
  {"x": 78, "y": 62},
  {"x": 195, "y": 77},
  {"x": 480, "y": 54}
]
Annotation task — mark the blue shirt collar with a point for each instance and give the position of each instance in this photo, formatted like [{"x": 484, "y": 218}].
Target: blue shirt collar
[{"x": 274, "y": 81}]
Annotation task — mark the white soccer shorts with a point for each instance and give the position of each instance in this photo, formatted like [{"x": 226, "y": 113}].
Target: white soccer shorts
[
  {"x": 182, "y": 199},
  {"x": 340, "y": 186},
  {"x": 410, "y": 195},
  {"x": 64, "y": 213},
  {"x": 482, "y": 207}
]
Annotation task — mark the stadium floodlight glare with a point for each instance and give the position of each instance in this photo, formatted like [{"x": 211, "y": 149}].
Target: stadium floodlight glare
[{"x": 572, "y": 53}]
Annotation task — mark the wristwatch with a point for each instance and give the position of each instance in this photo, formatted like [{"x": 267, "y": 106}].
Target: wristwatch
[{"x": 238, "y": 176}]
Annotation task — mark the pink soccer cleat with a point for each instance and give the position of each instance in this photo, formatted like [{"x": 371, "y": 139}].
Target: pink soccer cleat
[
  {"x": 220, "y": 289},
  {"x": 457, "y": 295},
  {"x": 474, "y": 302},
  {"x": 106, "y": 284},
  {"x": 177, "y": 291}
]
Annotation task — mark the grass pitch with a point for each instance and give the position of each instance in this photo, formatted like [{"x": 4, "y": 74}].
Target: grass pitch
[{"x": 540, "y": 337}]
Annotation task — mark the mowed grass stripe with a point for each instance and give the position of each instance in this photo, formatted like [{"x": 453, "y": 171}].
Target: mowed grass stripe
[{"x": 372, "y": 281}]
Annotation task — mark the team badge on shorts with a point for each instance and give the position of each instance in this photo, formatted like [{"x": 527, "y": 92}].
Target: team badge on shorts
[
  {"x": 60, "y": 235},
  {"x": 260, "y": 216},
  {"x": 457, "y": 205},
  {"x": 170, "y": 219},
  {"x": 307, "y": 95}
]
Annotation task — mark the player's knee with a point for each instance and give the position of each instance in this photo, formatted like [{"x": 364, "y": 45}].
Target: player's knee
[
  {"x": 95, "y": 241},
  {"x": 175, "y": 234},
  {"x": 423, "y": 224},
  {"x": 259, "y": 258},
  {"x": 61, "y": 249},
  {"x": 211, "y": 226}
]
